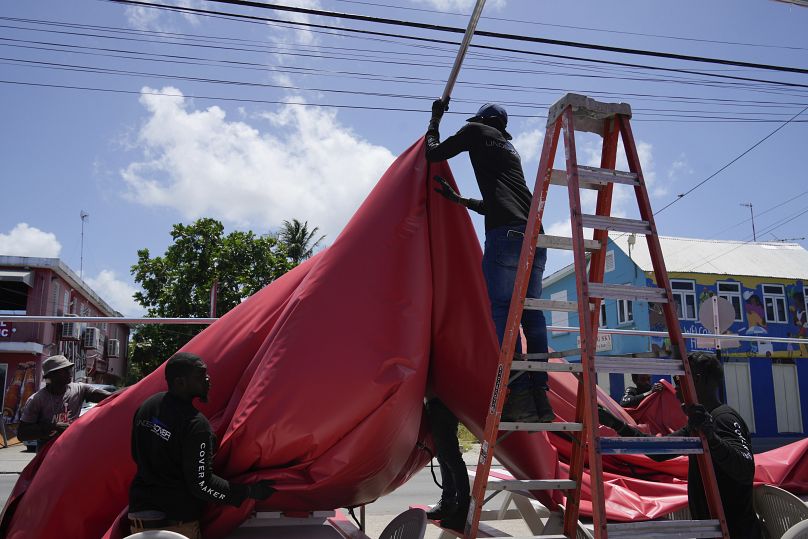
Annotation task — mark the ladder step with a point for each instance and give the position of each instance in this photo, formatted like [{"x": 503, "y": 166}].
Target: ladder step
[
  {"x": 665, "y": 529},
  {"x": 563, "y": 242},
  {"x": 624, "y": 291},
  {"x": 650, "y": 445},
  {"x": 633, "y": 365},
  {"x": 531, "y": 484},
  {"x": 544, "y": 366},
  {"x": 595, "y": 178},
  {"x": 616, "y": 224},
  {"x": 548, "y": 355},
  {"x": 541, "y": 427},
  {"x": 535, "y": 304}
]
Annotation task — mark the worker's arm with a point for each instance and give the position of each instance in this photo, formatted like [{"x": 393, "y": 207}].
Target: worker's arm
[
  {"x": 728, "y": 447},
  {"x": 449, "y": 193},
  {"x": 96, "y": 394},
  {"x": 631, "y": 398},
  {"x": 203, "y": 483},
  {"x": 441, "y": 151},
  {"x": 622, "y": 429}
]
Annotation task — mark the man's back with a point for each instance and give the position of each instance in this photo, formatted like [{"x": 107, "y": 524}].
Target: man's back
[
  {"x": 734, "y": 467},
  {"x": 160, "y": 426}
]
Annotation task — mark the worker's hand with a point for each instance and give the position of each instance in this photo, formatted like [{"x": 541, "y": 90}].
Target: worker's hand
[
  {"x": 700, "y": 420},
  {"x": 261, "y": 490},
  {"x": 438, "y": 108},
  {"x": 657, "y": 387},
  {"x": 60, "y": 427},
  {"x": 446, "y": 190},
  {"x": 608, "y": 420}
]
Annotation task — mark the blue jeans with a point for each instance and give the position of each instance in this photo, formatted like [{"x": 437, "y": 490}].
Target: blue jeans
[{"x": 500, "y": 260}]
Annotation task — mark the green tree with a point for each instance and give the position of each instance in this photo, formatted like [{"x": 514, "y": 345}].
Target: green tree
[
  {"x": 178, "y": 284},
  {"x": 299, "y": 239}
]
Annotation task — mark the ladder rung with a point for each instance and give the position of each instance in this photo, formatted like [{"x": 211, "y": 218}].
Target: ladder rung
[
  {"x": 550, "y": 305},
  {"x": 541, "y": 427},
  {"x": 650, "y": 445},
  {"x": 648, "y": 354},
  {"x": 617, "y": 224},
  {"x": 623, "y": 291},
  {"x": 633, "y": 365},
  {"x": 563, "y": 242},
  {"x": 595, "y": 178},
  {"x": 665, "y": 529},
  {"x": 555, "y": 353},
  {"x": 545, "y": 366},
  {"x": 531, "y": 484}
]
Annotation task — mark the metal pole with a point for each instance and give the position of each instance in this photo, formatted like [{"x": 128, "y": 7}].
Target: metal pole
[
  {"x": 752, "y": 212},
  {"x": 84, "y": 217},
  {"x": 464, "y": 46}
]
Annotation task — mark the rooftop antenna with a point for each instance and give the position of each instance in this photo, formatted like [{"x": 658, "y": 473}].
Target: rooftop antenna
[
  {"x": 85, "y": 218},
  {"x": 749, "y": 205}
]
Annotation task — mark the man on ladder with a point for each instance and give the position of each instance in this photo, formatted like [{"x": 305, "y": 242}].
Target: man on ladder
[{"x": 505, "y": 205}]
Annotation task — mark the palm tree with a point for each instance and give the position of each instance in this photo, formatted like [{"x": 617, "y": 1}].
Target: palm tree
[{"x": 298, "y": 239}]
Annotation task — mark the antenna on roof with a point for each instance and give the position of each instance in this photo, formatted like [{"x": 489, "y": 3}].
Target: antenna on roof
[
  {"x": 85, "y": 218},
  {"x": 749, "y": 205}
]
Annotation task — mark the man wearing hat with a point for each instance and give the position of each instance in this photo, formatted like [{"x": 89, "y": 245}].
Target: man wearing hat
[
  {"x": 49, "y": 411},
  {"x": 505, "y": 205}
]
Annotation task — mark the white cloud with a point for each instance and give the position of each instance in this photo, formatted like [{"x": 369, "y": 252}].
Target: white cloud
[
  {"x": 295, "y": 35},
  {"x": 464, "y": 6},
  {"x": 148, "y": 18},
  {"x": 24, "y": 240},
  {"x": 306, "y": 166},
  {"x": 117, "y": 293},
  {"x": 528, "y": 144}
]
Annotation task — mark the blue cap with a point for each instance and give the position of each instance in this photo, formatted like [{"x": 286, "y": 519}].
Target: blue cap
[{"x": 492, "y": 111}]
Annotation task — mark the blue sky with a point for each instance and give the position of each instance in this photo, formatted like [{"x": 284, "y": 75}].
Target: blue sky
[{"x": 207, "y": 117}]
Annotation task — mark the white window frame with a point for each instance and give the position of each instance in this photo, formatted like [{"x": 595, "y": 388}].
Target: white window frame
[
  {"x": 625, "y": 312},
  {"x": 775, "y": 298},
  {"x": 787, "y": 398},
  {"x": 731, "y": 296},
  {"x": 682, "y": 296}
]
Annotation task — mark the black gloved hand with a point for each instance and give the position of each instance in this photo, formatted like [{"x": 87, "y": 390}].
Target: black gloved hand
[
  {"x": 446, "y": 189},
  {"x": 657, "y": 387},
  {"x": 261, "y": 490},
  {"x": 699, "y": 419},
  {"x": 608, "y": 420},
  {"x": 438, "y": 108}
]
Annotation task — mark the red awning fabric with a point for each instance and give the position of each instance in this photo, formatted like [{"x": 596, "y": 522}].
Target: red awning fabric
[{"x": 318, "y": 383}]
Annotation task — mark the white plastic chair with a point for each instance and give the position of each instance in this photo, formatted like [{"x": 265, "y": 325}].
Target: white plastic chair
[
  {"x": 797, "y": 531},
  {"x": 779, "y": 509},
  {"x": 156, "y": 534},
  {"x": 411, "y": 524}
]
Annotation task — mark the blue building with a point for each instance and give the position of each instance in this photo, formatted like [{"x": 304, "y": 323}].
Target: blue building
[{"x": 767, "y": 286}]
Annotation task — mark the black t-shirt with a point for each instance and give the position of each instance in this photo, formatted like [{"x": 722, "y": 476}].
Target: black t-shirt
[
  {"x": 497, "y": 166},
  {"x": 632, "y": 397},
  {"x": 173, "y": 447},
  {"x": 734, "y": 467}
]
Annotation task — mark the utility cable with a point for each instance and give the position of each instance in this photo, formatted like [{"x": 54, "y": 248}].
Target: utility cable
[
  {"x": 717, "y": 172},
  {"x": 497, "y": 35},
  {"x": 254, "y": 18}
]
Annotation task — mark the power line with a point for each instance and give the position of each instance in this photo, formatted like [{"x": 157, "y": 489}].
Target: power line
[
  {"x": 486, "y": 47},
  {"x": 717, "y": 172},
  {"x": 571, "y": 27},
  {"x": 498, "y": 35}
]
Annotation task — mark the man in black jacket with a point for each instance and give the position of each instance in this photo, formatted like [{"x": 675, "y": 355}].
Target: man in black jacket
[
  {"x": 642, "y": 387},
  {"x": 173, "y": 447},
  {"x": 730, "y": 449},
  {"x": 506, "y": 205}
]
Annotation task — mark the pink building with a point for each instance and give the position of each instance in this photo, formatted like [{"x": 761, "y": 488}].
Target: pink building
[{"x": 47, "y": 287}]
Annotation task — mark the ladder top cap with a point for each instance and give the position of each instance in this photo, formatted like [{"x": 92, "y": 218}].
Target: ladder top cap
[{"x": 589, "y": 114}]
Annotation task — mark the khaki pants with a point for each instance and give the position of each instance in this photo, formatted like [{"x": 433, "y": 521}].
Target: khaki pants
[{"x": 188, "y": 529}]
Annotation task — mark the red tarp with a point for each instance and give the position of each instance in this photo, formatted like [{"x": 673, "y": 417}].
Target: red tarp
[{"x": 318, "y": 382}]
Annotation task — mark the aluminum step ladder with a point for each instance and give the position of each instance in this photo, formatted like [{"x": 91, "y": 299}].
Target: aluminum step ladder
[{"x": 611, "y": 121}]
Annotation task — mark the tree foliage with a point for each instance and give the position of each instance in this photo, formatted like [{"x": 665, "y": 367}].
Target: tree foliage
[
  {"x": 178, "y": 283},
  {"x": 299, "y": 239}
]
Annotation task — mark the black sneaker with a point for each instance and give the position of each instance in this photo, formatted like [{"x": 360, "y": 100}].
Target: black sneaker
[
  {"x": 520, "y": 407},
  {"x": 446, "y": 506},
  {"x": 457, "y": 520},
  {"x": 544, "y": 410}
]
